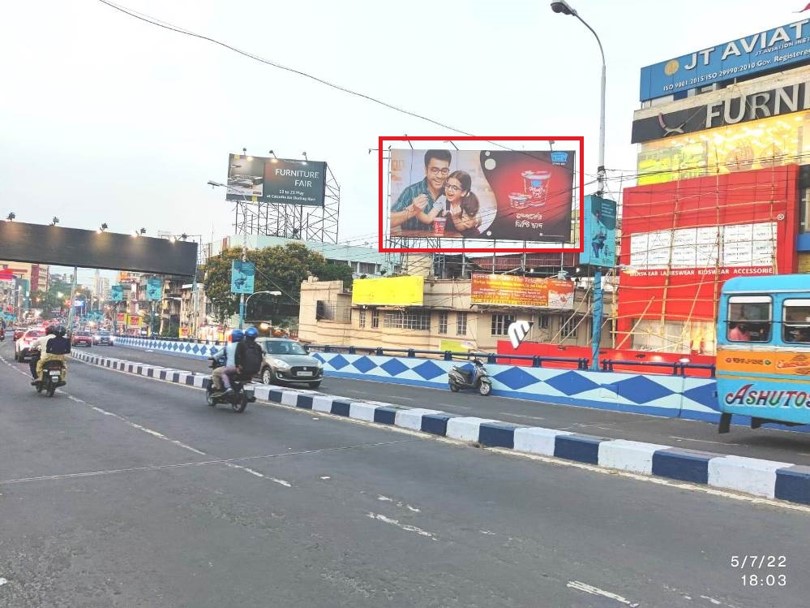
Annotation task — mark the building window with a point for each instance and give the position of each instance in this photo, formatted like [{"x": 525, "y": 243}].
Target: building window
[
  {"x": 362, "y": 320},
  {"x": 461, "y": 324},
  {"x": 501, "y": 323},
  {"x": 442, "y": 322},
  {"x": 411, "y": 319},
  {"x": 544, "y": 322},
  {"x": 569, "y": 328},
  {"x": 375, "y": 319},
  {"x": 367, "y": 268}
]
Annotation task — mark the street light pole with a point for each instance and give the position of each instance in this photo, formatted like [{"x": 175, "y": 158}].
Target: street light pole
[
  {"x": 244, "y": 248},
  {"x": 596, "y": 331}
]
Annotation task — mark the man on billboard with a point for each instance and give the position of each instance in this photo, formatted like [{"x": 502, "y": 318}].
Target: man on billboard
[{"x": 417, "y": 207}]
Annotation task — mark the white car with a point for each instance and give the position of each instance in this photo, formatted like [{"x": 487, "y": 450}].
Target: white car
[{"x": 22, "y": 346}]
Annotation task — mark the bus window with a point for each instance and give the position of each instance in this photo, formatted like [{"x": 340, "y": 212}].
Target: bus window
[
  {"x": 796, "y": 321},
  {"x": 749, "y": 319}
]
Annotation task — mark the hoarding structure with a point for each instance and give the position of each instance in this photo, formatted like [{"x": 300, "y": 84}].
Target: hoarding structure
[
  {"x": 296, "y": 199},
  {"x": 477, "y": 199},
  {"x": 681, "y": 240},
  {"x": 521, "y": 291},
  {"x": 390, "y": 291},
  {"x": 772, "y": 50},
  {"x": 599, "y": 218}
]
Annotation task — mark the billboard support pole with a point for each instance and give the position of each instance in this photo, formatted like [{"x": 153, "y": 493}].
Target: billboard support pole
[{"x": 72, "y": 300}]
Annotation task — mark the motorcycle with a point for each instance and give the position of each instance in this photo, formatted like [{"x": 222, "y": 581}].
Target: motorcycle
[
  {"x": 2, "y": 334},
  {"x": 238, "y": 399},
  {"x": 477, "y": 378},
  {"x": 51, "y": 378}
]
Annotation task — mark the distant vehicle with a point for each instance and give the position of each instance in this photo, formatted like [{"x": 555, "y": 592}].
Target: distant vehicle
[
  {"x": 103, "y": 338},
  {"x": 286, "y": 361},
  {"x": 763, "y": 350},
  {"x": 23, "y": 344},
  {"x": 18, "y": 333},
  {"x": 82, "y": 338}
]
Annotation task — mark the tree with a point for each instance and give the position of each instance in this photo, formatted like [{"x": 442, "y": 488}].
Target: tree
[{"x": 279, "y": 268}]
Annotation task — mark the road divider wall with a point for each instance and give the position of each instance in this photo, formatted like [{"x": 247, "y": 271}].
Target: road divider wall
[
  {"x": 654, "y": 394},
  {"x": 770, "y": 479}
]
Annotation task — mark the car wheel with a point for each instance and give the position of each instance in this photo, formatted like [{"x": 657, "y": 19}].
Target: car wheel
[{"x": 268, "y": 377}]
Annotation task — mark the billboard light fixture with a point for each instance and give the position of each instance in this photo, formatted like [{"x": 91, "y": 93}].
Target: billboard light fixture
[
  {"x": 11, "y": 217},
  {"x": 102, "y": 228},
  {"x": 305, "y": 157},
  {"x": 273, "y": 154},
  {"x": 54, "y": 221},
  {"x": 138, "y": 233}
]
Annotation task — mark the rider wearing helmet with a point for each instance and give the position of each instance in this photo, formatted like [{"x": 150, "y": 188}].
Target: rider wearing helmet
[
  {"x": 221, "y": 376},
  {"x": 53, "y": 346},
  {"x": 249, "y": 355},
  {"x": 37, "y": 348}
]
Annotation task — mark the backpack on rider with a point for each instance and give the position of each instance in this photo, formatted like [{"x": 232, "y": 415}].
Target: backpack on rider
[{"x": 249, "y": 355}]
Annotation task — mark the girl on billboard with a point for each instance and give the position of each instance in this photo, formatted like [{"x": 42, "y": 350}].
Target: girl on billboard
[{"x": 462, "y": 204}]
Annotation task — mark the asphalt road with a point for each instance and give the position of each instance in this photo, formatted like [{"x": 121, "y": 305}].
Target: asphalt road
[
  {"x": 123, "y": 491},
  {"x": 769, "y": 444}
]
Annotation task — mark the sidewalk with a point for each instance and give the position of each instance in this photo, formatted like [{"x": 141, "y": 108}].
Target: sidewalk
[{"x": 783, "y": 480}]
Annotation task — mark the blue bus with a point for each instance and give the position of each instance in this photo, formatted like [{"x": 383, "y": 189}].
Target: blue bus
[{"x": 763, "y": 350}]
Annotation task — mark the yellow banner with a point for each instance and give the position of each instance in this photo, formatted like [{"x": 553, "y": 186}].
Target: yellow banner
[
  {"x": 761, "y": 144},
  {"x": 456, "y": 346},
  {"x": 390, "y": 291},
  {"x": 514, "y": 290},
  {"x": 775, "y": 363}
]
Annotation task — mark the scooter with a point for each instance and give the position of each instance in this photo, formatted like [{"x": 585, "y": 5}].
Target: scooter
[
  {"x": 238, "y": 399},
  {"x": 51, "y": 378},
  {"x": 477, "y": 378}
]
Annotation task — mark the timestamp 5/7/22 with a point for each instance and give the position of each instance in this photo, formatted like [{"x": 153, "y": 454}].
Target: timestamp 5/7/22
[{"x": 764, "y": 580}]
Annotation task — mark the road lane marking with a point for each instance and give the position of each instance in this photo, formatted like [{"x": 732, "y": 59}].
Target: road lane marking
[
  {"x": 579, "y": 586},
  {"x": 385, "y": 499},
  {"x": 3, "y": 581},
  {"x": 712, "y": 600},
  {"x": 139, "y": 427},
  {"x": 406, "y": 527},
  {"x": 180, "y": 465},
  {"x": 281, "y": 482}
]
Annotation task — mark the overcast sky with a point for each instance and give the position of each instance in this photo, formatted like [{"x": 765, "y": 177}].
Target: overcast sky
[{"x": 105, "y": 118}]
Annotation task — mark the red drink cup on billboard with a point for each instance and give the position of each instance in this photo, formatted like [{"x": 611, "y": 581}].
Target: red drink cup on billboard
[
  {"x": 438, "y": 225},
  {"x": 536, "y": 185}
]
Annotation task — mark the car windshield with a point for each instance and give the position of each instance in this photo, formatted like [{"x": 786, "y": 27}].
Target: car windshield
[
  {"x": 83, "y": 333},
  {"x": 283, "y": 347},
  {"x": 33, "y": 333}
]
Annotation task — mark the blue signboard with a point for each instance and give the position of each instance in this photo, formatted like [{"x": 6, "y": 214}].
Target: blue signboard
[
  {"x": 600, "y": 232},
  {"x": 154, "y": 289},
  {"x": 242, "y": 276},
  {"x": 117, "y": 293},
  {"x": 774, "y": 49}
]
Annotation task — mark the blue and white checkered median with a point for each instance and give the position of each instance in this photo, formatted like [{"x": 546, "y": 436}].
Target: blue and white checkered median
[{"x": 781, "y": 480}]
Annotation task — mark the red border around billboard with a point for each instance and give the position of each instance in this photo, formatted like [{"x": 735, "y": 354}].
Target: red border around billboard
[{"x": 381, "y": 148}]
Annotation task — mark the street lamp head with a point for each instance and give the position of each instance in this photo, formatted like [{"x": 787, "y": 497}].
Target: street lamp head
[{"x": 563, "y": 7}]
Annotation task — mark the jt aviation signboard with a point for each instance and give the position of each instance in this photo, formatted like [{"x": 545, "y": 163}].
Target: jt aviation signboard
[
  {"x": 774, "y": 49},
  {"x": 732, "y": 110}
]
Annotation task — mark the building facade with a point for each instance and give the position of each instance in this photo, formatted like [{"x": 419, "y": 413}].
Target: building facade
[
  {"x": 446, "y": 319},
  {"x": 723, "y": 186}
]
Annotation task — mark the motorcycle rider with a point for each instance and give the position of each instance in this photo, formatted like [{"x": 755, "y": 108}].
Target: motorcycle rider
[
  {"x": 249, "y": 355},
  {"x": 228, "y": 366},
  {"x": 53, "y": 346}
]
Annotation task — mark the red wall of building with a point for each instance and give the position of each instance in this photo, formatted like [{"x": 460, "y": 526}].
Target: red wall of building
[{"x": 750, "y": 197}]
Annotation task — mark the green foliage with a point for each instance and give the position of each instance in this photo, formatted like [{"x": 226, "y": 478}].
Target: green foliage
[{"x": 279, "y": 268}]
